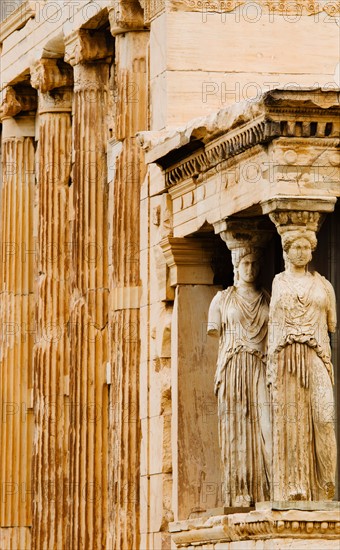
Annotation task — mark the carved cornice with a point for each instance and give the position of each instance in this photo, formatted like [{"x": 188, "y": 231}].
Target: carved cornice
[
  {"x": 48, "y": 74},
  {"x": 83, "y": 46},
  {"x": 14, "y": 102},
  {"x": 306, "y": 116},
  {"x": 266, "y": 524},
  {"x": 233, "y": 144},
  {"x": 126, "y": 15}
]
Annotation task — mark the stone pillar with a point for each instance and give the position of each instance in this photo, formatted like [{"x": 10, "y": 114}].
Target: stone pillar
[
  {"x": 195, "y": 451},
  {"x": 89, "y": 53},
  {"x": 51, "y": 351},
  {"x": 124, "y": 425},
  {"x": 17, "y": 316}
]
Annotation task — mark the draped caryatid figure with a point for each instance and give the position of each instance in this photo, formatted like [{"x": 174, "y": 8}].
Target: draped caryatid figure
[
  {"x": 300, "y": 374},
  {"x": 239, "y": 316}
]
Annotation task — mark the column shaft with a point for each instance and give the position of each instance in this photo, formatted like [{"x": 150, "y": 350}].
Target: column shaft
[
  {"x": 124, "y": 429},
  {"x": 89, "y": 305},
  {"x": 17, "y": 325},
  {"x": 51, "y": 352}
]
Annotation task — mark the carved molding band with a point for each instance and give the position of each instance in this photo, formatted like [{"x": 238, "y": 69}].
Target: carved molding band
[
  {"x": 285, "y": 8},
  {"x": 221, "y": 150},
  {"x": 266, "y": 524},
  {"x": 237, "y": 142}
]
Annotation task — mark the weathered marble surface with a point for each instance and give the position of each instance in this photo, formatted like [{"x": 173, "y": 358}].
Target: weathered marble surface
[
  {"x": 300, "y": 371},
  {"x": 239, "y": 317}
]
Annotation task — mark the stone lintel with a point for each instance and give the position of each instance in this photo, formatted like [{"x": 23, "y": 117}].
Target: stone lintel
[
  {"x": 259, "y": 524},
  {"x": 48, "y": 74},
  {"x": 189, "y": 260},
  {"x": 83, "y": 46},
  {"x": 18, "y": 17},
  {"x": 126, "y": 15}
]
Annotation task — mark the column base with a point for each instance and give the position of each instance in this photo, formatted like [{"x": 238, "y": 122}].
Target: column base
[{"x": 273, "y": 525}]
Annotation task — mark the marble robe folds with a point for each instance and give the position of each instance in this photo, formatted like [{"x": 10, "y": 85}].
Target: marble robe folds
[
  {"x": 300, "y": 374},
  {"x": 243, "y": 402}
]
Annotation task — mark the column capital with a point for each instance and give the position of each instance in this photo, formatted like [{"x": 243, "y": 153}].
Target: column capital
[
  {"x": 83, "y": 46},
  {"x": 48, "y": 74},
  {"x": 126, "y": 15},
  {"x": 252, "y": 233},
  {"x": 294, "y": 213},
  {"x": 15, "y": 102}
]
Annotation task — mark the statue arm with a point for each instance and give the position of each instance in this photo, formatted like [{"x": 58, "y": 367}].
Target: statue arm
[
  {"x": 331, "y": 312},
  {"x": 214, "y": 316}
]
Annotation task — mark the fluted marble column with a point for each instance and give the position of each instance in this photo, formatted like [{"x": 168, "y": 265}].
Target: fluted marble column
[
  {"x": 124, "y": 314},
  {"x": 51, "y": 351},
  {"x": 89, "y": 54},
  {"x": 16, "y": 316}
]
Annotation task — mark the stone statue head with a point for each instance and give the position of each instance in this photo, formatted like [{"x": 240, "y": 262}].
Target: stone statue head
[
  {"x": 298, "y": 245},
  {"x": 246, "y": 262}
]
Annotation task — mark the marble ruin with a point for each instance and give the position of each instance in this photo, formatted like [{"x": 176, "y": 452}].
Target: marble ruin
[{"x": 169, "y": 244}]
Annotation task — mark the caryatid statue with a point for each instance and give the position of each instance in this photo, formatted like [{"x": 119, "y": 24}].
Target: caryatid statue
[
  {"x": 300, "y": 372},
  {"x": 239, "y": 317}
]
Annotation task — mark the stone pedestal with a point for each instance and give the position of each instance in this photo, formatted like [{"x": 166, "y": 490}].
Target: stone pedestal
[{"x": 271, "y": 526}]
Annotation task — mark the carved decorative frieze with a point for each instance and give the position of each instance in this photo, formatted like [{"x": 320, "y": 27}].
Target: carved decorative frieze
[
  {"x": 153, "y": 8},
  {"x": 285, "y": 8},
  {"x": 258, "y": 133},
  {"x": 84, "y": 46},
  {"x": 264, "y": 524},
  {"x": 301, "y": 115}
]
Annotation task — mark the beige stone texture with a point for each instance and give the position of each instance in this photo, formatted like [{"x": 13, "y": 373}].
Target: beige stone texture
[
  {"x": 51, "y": 350},
  {"x": 194, "y": 433},
  {"x": 124, "y": 318},
  {"x": 110, "y": 113},
  {"x": 203, "y": 80},
  {"x": 18, "y": 253}
]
